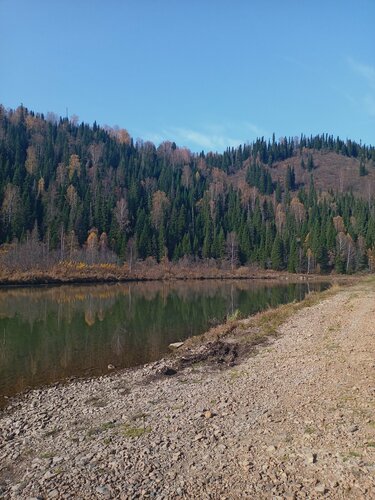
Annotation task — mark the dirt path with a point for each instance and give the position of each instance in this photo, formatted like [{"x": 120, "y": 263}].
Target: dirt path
[{"x": 297, "y": 420}]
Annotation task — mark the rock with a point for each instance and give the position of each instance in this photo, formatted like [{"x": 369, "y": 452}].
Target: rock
[
  {"x": 208, "y": 414},
  {"x": 104, "y": 491},
  {"x": 48, "y": 475},
  {"x": 320, "y": 488},
  {"x": 247, "y": 465},
  {"x": 271, "y": 449},
  {"x": 111, "y": 367},
  {"x": 353, "y": 428},
  {"x": 167, "y": 371},
  {"x": 53, "y": 494},
  {"x": 176, "y": 345},
  {"x": 311, "y": 458}
]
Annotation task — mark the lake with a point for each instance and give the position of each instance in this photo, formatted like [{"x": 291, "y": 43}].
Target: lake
[{"x": 50, "y": 333}]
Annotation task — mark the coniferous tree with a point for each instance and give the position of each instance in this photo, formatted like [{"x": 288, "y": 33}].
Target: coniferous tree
[{"x": 277, "y": 254}]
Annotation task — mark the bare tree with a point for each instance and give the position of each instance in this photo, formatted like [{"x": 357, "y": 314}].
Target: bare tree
[
  {"x": 160, "y": 203},
  {"x": 121, "y": 214},
  {"x": 96, "y": 153},
  {"x": 11, "y": 204}
]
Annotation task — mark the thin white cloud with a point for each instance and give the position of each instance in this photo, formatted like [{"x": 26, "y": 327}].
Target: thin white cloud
[
  {"x": 367, "y": 72},
  {"x": 205, "y": 140},
  {"x": 211, "y": 137},
  {"x": 255, "y": 130}
]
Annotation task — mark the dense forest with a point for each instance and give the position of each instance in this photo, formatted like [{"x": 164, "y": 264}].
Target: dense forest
[{"x": 71, "y": 192}]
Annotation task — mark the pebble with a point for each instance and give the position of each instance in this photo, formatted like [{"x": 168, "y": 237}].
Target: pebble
[
  {"x": 320, "y": 488},
  {"x": 311, "y": 458},
  {"x": 104, "y": 491}
]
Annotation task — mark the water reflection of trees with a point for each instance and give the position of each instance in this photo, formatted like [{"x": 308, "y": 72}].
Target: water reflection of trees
[
  {"x": 48, "y": 333},
  {"x": 34, "y": 304}
]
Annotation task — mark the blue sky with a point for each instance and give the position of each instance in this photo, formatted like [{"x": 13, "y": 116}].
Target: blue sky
[{"x": 207, "y": 74}]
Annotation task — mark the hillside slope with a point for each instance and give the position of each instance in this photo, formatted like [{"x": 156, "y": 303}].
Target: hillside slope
[
  {"x": 332, "y": 171},
  {"x": 87, "y": 195}
]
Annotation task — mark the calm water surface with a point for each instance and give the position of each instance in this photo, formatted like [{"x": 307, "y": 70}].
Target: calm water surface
[{"x": 50, "y": 333}]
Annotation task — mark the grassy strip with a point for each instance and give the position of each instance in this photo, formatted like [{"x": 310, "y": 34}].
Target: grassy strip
[
  {"x": 268, "y": 322},
  {"x": 256, "y": 329}
]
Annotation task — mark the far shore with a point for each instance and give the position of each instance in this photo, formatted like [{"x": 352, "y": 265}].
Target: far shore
[{"x": 61, "y": 274}]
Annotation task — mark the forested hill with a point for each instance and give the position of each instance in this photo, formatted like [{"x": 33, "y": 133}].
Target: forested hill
[{"x": 87, "y": 193}]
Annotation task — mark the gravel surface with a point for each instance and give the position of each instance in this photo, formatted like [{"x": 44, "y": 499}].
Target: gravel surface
[{"x": 293, "y": 419}]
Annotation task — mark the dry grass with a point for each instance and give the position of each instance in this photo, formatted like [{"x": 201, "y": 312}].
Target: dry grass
[
  {"x": 79, "y": 272},
  {"x": 258, "y": 328},
  {"x": 333, "y": 171},
  {"x": 134, "y": 432},
  {"x": 270, "y": 321}
]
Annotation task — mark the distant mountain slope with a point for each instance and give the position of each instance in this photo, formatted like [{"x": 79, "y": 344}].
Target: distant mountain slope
[
  {"x": 332, "y": 171},
  {"x": 88, "y": 194}
]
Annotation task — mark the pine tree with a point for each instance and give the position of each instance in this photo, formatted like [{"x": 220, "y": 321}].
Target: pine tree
[
  {"x": 362, "y": 168},
  {"x": 277, "y": 254},
  {"x": 293, "y": 257},
  {"x": 310, "y": 163}
]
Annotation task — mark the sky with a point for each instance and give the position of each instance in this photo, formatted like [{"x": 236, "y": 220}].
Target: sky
[{"x": 206, "y": 74}]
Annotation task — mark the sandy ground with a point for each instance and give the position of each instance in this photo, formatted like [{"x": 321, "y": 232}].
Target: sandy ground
[{"x": 294, "y": 418}]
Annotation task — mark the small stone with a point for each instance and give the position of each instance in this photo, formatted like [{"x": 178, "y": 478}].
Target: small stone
[
  {"x": 103, "y": 490},
  {"x": 53, "y": 494},
  {"x": 271, "y": 449},
  {"x": 48, "y": 475},
  {"x": 311, "y": 458},
  {"x": 168, "y": 371},
  {"x": 320, "y": 488},
  {"x": 176, "y": 345},
  {"x": 247, "y": 465},
  {"x": 208, "y": 414},
  {"x": 111, "y": 367},
  {"x": 353, "y": 428}
]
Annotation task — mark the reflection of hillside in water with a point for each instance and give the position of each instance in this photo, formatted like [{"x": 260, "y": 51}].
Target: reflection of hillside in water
[
  {"x": 32, "y": 304},
  {"x": 49, "y": 333}
]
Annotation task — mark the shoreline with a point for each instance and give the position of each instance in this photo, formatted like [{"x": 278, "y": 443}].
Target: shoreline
[
  {"x": 200, "y": 340},
  {"x": 47, "y": 280},
  {"x": 236, "y": 391}
]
